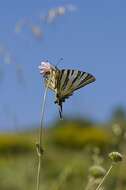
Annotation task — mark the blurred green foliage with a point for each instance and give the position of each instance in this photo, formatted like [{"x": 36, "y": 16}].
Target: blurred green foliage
[
  {"x": 69, "y": 133},
  {"x": 16, "y": 143},
  {"x": 74, "y": 134},
  {"x": 71, "y": 148}
]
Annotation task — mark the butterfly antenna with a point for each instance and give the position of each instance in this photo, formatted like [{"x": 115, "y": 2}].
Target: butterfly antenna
[{"x": 61, "y": 59}]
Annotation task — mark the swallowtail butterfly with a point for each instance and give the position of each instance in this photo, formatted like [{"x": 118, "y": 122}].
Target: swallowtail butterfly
[{"x": 64, "y": 82}]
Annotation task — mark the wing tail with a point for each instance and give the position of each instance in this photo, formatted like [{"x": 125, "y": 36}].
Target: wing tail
[{"x": 60, "y": 107}]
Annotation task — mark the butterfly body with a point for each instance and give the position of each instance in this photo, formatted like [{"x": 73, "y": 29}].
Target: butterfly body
[{"x": 64, "y": 82}]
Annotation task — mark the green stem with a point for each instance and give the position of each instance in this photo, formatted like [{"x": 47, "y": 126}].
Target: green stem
[
  {"x": 39, "y": 146},
  {"x": 103, "y": 179}
]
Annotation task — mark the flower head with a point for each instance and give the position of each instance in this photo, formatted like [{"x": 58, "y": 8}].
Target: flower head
[
  {"x": 45, "y": 68},
  {"x": 97, "y": 171},
  {"x": 115, "y": 156}
]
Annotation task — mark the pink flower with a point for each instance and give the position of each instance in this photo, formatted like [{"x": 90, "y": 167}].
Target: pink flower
[{"x": 45, "y": 67}]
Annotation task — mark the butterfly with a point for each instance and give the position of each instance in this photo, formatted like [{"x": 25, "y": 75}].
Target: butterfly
[{"x": 64, "y": 82}]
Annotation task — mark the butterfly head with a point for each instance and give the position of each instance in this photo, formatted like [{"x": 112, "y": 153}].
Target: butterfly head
[{"x": 46, "y": 68}]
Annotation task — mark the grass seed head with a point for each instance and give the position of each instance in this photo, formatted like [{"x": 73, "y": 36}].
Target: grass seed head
[
  {"x": 97, "y": 171},
  {"x": 115, "y": 156}
]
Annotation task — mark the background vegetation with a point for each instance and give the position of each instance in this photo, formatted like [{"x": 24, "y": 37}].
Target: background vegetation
[{"x": 71, "y": 149}]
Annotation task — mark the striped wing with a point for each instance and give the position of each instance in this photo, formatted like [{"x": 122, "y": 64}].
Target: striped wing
[
  {"x": 51, "y": 79},
  {"x": 71, "y": 80}
]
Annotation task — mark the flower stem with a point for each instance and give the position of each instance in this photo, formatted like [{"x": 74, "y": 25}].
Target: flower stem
[
  {"x": 103, "y": 179},
  {"x": 39, "y": 145}
]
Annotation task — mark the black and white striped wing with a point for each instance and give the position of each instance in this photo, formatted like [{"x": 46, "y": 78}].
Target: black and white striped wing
[
  {"x": 71, "y": 80},
  {"x": 51, "y": 80}
]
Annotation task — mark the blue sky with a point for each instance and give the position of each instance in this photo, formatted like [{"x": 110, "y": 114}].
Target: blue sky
[{"x": 92, "y": 39}]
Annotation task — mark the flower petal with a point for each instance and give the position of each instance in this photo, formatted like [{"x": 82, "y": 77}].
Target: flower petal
[{"x": 45, "y": 67}]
